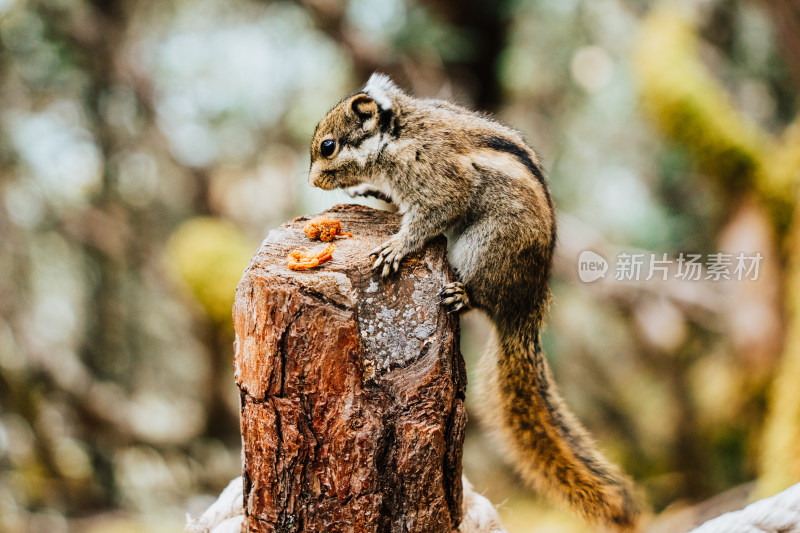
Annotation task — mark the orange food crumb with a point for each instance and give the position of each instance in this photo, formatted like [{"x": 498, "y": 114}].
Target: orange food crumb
[
  {"x": 324, "y": 229},
  {"x": 304, "y": 259}
]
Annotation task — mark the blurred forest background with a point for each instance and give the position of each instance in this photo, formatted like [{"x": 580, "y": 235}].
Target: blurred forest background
[{"x": 146, "y": 147}]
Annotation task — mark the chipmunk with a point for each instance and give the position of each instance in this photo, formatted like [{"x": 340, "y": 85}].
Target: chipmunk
[{"x": 452, "y": 170}]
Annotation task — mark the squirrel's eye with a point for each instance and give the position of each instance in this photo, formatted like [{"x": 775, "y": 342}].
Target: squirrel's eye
[{"x": 327, "y": 147}]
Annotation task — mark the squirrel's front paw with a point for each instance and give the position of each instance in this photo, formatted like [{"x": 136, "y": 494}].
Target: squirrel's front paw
[
  {"x": 389, "y": 254},
  {"x": 454, "y": 296},
  {"x": 366, "y": 189},
  {"x": 359, "y": 190}
]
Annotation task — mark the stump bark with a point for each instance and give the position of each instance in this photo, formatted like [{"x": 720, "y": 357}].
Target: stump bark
[{"x": 352, "y": 386}]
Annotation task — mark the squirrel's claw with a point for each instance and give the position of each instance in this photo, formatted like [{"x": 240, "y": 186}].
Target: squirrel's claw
[
  {"x": 389, "y": 254},
  {"x": 456, "y": 308},
  {"x": 454, "y": 297},
  {"x": 377, "y": 251}
]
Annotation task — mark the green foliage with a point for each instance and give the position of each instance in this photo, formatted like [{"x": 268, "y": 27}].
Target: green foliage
[
  {"x": 693, "y": 110},
  {"x": 209, "y": 255},
  {"x": 688, "y": 105},
  {"x": 780, "y": 460}
]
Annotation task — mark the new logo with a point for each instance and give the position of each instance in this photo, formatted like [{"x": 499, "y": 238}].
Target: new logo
[{"x": 591, "y": 266}]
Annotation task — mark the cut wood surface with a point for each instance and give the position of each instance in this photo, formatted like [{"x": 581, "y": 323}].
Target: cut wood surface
[{"x": 352, "y": 386}]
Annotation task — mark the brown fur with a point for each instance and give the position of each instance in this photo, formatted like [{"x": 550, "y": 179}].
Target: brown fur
[{"x": 451, "y": 169}]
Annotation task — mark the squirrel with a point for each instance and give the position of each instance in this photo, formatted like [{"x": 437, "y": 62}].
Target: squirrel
[{"x": 449, "y": 169}]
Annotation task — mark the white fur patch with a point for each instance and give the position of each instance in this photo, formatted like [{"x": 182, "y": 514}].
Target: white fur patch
[
  {"x": 379, "y": 87},
  {"x": 498, "y": 161},
  {"x": 366, "y": 151},
  {"x": 383, "y": 184},
  {"x": 348, "y": 153},
  {"x": 394, "y": 148}
]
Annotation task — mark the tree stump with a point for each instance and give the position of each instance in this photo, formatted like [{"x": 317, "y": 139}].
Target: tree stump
[{"x": 352, "y": 386}]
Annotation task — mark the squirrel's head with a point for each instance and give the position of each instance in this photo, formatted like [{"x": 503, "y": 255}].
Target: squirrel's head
[{"x": 348, "y": 140}]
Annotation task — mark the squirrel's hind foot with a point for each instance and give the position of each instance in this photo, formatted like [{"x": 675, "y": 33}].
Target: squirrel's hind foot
[{"x": 454, "y": 297}]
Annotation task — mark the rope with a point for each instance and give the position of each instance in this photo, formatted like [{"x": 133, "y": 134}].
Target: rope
[
  {"x": 226, "y": 515},
  {"x": 778, "y": 514}
]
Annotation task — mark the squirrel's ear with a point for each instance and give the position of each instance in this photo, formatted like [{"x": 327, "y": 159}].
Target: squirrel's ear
[
  {"x": 364, "y": 109},
  {"x": 379, "y": 87}
]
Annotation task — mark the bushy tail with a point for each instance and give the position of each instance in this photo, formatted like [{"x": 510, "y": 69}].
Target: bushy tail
[{"x": 543, "y": 439}]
